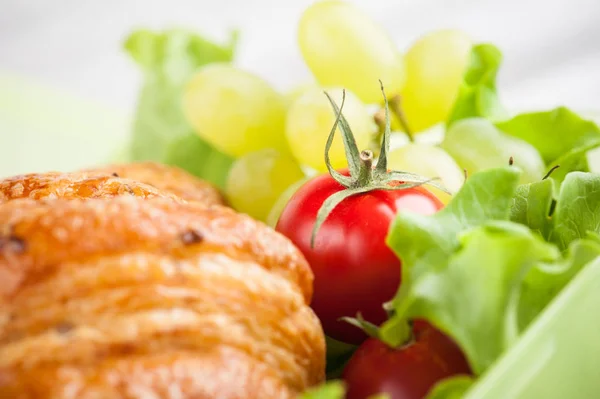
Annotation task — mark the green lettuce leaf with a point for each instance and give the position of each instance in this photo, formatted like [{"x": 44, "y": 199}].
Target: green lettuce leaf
[
  {"x": 197, "y": 157},
  {"x": 160, "y": 131},
  {"x": 451, "y": 388},
  {"x": 553, "y": 132},
  {"x": 571, "y": 228},
  {"x": 424, "y": 243},
  {"x": 469, "y": 299},
  {"x": 421, "y": 241},
  {"x": 481, "y": 278},
  {"x": 330, "y": 390},
  {"x": 532, "y": 206},
  {"x": 544, "y": 281},
  {"x": 477, "y": 95},
  {"x": 577, "y": 210},
  {"x": 561, "y": 136},
  {"x": 574, "y": 214},
  {"x": 573, "y": 161}
]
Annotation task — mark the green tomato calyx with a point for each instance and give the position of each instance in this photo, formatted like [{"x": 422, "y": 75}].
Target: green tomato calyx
[
  {"x": 364, "y": 177},
  {"x": 400, "y": 336}
]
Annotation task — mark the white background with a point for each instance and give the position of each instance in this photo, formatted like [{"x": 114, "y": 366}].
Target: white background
[{"x": 551, "y": 47}]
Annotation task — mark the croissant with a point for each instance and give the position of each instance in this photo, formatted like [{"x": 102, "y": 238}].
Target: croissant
[
  {"x": 166, "y": 178},
  {"x": 137, "y": 297},
  {"x": 141, "y": 179},
  {"x": 74, "y": 185}
]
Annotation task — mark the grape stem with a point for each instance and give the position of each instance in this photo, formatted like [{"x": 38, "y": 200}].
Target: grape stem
[
  {"x": 379, "y": 118},
  {"x": 396, "y": 108},
  {"x": 550, "y": 172}
]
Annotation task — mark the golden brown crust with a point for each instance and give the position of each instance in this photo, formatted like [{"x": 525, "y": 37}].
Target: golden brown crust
[
  {"x": 174, "y": 375},
  {"x": 64, "y": 230},
  {"x": 117, "y": 298},
  {"x": 168, "y": 376},
  {"x": 74, "y": 185},
  {"x": 166, "y": 178}
]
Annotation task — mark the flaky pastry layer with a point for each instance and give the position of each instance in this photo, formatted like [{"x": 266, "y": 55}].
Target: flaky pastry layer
[
  {"x": 131, "y": 296},
  {"x": 73, "y": 186},
  {"x": 166, "y": 178}
]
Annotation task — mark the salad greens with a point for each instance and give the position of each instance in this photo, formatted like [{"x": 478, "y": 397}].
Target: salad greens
[
  {"x": 329, "y": 390},
  {"x": 553, "y": 132},
  {"x": 478, "y": 95},
  {"x": 481, "y": 278},
  {"x": 577, "y": 209},
  {"x": 484, "y": 284},
  {"x": 444, "y": 277},
  {"x": 335, "y": 390},
  {"x": 543, "y": 282},
  {"x": 483, "y": 268},
  {"x": 451, "y": 388},
  {"x": 161, "y": 132},
  {"x": 571, "y": 216},
  {"x": 561, "y": 137},
  {"x": 533, "y": 205}
]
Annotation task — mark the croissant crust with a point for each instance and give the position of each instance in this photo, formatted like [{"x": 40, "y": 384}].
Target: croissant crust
[
  {"x": 74, "y": 185},
  {"x": 151, "y": 297},
  {"x": 166, "y": 178}
]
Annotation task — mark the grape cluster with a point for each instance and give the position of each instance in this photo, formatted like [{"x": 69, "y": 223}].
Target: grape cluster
[{"x": 278, "y": 139}]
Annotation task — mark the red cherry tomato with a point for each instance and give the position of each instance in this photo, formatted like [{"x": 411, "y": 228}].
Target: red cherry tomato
[
  {"x": 409, "y": 372},
  {"x": 355, "y": 271}
]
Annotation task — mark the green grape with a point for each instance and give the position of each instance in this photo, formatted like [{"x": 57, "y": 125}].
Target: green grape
[
  {"x": 343, "y": 47},
  {"x": 297, "y": 91},
  {"x": 435, "y": 66},
  {"x": 476, "y": 144},
  {"x": 282, "y": 201},
  {"x": 429, "y": 161},
  {"x": 234, "y": 110},
  {"x": 310, "y": 119},
  {"x": 258, "y": 179}
]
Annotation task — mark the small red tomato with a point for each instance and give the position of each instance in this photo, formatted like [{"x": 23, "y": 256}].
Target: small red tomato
[
  {"x": 355, "y": 271},
  {"x": 408, "y": 372}
]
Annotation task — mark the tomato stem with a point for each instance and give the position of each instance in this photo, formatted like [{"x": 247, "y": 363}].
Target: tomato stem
[
  {"x": 405, "y": 335},
  {"x": 366, "y": 168},
  {"x": 396, "y": 108}
]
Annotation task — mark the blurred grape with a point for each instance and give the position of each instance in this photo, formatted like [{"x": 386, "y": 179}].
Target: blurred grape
[
  {"x": 282, "y": 201},
  {"x": 234, "y": 110},
  {"x": 343, "y": 47},
  {"x": 258, "y": 179},
  {"x": 429, "y": 161},
  {"x": 435, "y": 65}
]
